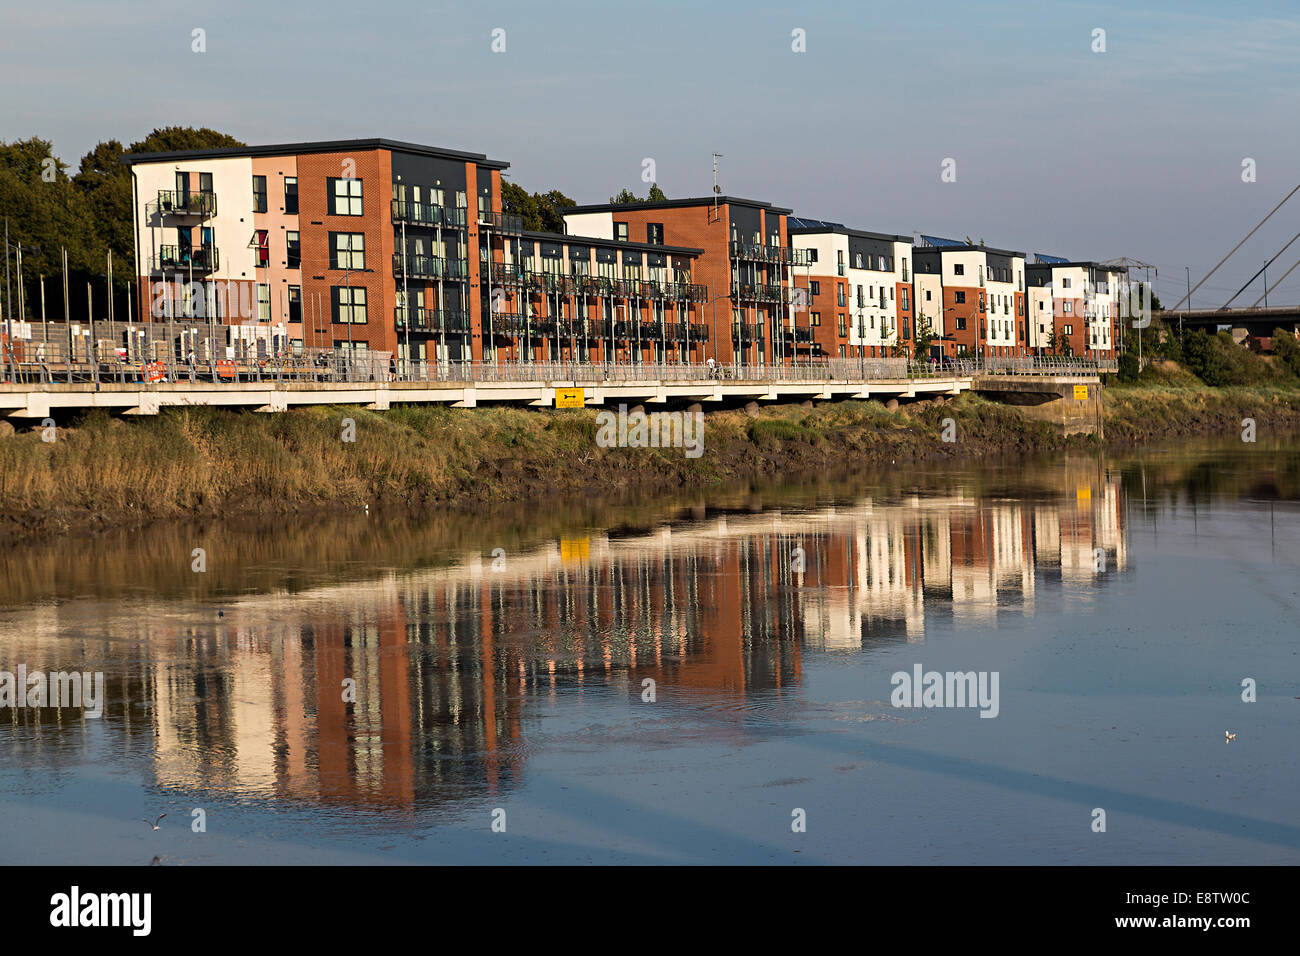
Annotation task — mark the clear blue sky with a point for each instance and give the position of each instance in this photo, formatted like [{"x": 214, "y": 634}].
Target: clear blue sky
[{"x": 1136, "y": 151}]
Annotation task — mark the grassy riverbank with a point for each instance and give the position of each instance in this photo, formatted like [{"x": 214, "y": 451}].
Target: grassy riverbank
[{"x": 200, "y": 462}]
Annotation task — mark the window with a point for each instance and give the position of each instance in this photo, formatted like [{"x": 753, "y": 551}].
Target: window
[
  {"x": 654, "y": 233},
  {"x": 293, "y": 250},
  {"x": 958, "y": 269},
  {"x": 814, "y": 318},
  {"x": 959, "y": 298},
  {"x": 812, "y": 255},
  {"x": 927, "y": 295},
  {"x": 840, "y": 296},
  {"x": 981, "y": 301},
  {"x": 857, "y": 260},
  {"x": 259, "y": 194},
  {"x": 1065, "y": 282},
  {"x": 816, "y": 287},
  {"x": 1069, "y": 329},
  {"x": 295, "y": 303},
  {"x": 291, "y": 195},
  {"x": 839, "y": 261},
  {"x": 345, "y": 197},
  {"x": 1067, "y": 308},
  {"x": 620, "y": 231},
  {"x": 263, "y": 240},
  {"x": 263, "y": 302},
  {"x": 843, "y": 329},
  {"x": 961, "y": 323},
  {"x": 348, "y": 305},
  {"x": 903, "y": 301},
  {"x": 347, "y": 250}
]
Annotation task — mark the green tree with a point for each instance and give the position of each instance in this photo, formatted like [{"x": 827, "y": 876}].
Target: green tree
[
  {"x": 1287, "y": 350},
  {"x": 626, "y": 195},
  {"x": 540, "y": 212}
]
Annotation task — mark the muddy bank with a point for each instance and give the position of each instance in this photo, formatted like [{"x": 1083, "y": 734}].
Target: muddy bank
[{"x": 104, "y": 473}]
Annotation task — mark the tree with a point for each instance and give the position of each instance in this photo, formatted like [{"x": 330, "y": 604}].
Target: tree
[
  {"x": 626, "y": 195},
  {"x": 540, "y": 212},
  {"x": 1287, "y": 350},
  {"x": 924, "y": 337}
]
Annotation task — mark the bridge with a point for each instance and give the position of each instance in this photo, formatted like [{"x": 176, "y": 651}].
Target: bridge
[{"x": 373, "y": 385}]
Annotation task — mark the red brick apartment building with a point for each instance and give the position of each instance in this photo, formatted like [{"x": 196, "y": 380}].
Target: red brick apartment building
[
  {"x": 744, "y": 265},
  {"x": 377, "y": 245}
]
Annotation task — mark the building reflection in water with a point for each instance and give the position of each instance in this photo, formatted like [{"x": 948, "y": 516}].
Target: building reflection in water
[{"x": 450, "y": 666}]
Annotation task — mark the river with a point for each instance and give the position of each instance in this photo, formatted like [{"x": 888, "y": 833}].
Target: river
[{"x": 709, "y": 678}]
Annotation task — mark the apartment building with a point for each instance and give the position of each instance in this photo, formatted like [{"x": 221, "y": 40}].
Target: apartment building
[
  {"x": 744, "y": 265},
  {"x": 578, "y": 298},
  {"x": 857, "y": 286},
  {"x": 320, "y": 244},
  {"x": 1074, "y": 307},
  {"x": 973, "y": 296}
]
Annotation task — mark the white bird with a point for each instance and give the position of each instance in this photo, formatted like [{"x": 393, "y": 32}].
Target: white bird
[
  {"x": 156, "y": 822},
  {"x": 1228, "y": 737}
]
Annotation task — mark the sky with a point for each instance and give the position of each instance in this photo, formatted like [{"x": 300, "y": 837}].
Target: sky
[{"x": 1136, "y": 151}]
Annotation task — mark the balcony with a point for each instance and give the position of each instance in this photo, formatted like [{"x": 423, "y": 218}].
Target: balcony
[
  {"x": 797, "y": 336},
  {"x": 503, "y": 222},
  {"x": 453, "y": 321},
  {"x": 197, "y": 259},
  {"x": 556, "y": 284},
  {"x": 199, "y": 203},
  {"x": 509, "y": 273},
  {"x": 430, "y": 267},
  {"x": 427, "y": 214}
]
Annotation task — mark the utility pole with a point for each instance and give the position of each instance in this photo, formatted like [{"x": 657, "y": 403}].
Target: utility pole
[{"x": 67, "y": 316}]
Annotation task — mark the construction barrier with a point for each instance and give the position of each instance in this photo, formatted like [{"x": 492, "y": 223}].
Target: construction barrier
[
  {"x": 154, "y": 372},
  {"x": 226, "y": 369}
]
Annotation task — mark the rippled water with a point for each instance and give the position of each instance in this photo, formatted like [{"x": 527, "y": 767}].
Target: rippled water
[{"x": 501, "y": 662}]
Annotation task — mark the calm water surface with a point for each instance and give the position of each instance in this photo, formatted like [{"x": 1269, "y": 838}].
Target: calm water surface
[{"x": 500, "y": 662}]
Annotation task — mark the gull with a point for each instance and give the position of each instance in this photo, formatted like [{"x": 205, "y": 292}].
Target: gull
[
  {"x": 1228, "y": 737},
  {"x": 156, "y": 822}
]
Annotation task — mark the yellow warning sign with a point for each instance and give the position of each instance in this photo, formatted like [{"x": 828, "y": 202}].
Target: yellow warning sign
[
  {"x": 1081, "y": 392},
  {"x": 570, "y": 398}
]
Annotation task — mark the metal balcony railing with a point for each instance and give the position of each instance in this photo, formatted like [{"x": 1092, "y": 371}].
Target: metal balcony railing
[
  {"x": 505, "y": 222},
  {"x": 429, "y": 267},
  {"x": 428, "y": 214},
  {"x": 202, "y": 203},
  {"x": 197, "y": 259},
  {"x": 433, "y": 320}
]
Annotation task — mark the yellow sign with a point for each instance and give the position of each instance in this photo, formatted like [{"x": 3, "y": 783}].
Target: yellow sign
[
  {"x": 570, "y": 398},
  {"x": 1083, "y": 493},
  {"x": 1081, "y": 392}
]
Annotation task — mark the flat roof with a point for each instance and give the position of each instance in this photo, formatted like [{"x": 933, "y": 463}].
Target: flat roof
[
  {"x": 969, "y": 247},
  {"x": 1075, "y": 263},
  {"x": 318, "y": 146},
  {"x": 575, "y": 240},
  {"x": 670, "y": 203},
  {"x": 814, "y": 226}
]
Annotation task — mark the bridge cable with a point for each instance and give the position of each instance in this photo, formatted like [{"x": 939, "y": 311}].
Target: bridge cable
[
  {"x": 1276, "y": 284},
  {"x": 1262, "y": 270},
  {"x": 1235, "y": 248}
]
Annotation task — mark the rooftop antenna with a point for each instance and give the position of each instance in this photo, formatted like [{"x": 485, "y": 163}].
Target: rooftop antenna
[{"x": 716, "y": 190}]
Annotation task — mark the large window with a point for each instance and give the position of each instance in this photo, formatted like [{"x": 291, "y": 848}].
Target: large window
[
  {"x": 295, "y": 303},
  {"x": 620, "y": 231},
  {"x": 348, "y": 305},
  {"x": 654, "y": 233},
  {"x": 263, "y": 240},
  {"x": 959, "y": 298},
  {"x": 345, "y": 197},
  {"x": 259, "y": 194},
  {"x": 293, "y": 250},
  {"x": 348, "y": 250},
  {"x": 263, "y": 302},
  {"x": 291, "y": 195}
]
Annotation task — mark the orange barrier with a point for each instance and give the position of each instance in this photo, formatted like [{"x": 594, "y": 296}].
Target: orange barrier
[
  {"x": 154, "y": 372},
  {"x": 226, "y": 369}
]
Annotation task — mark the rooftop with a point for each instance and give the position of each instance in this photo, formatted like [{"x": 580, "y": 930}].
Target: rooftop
[
  {"x": 670, "y": 203},
  {"x": 321, "y": 146}
]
